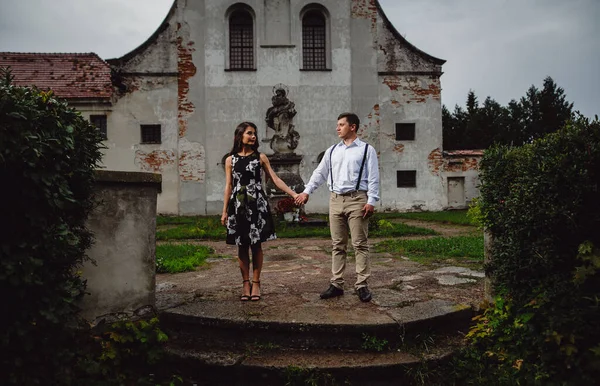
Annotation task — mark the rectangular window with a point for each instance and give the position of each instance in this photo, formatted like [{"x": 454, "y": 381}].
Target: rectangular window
[
  {"x": 150, "y": 133},
  {"x": 405, "y": 131},
  {"x": 406, "y": 178},
  {"x": 100, "y": 122}
]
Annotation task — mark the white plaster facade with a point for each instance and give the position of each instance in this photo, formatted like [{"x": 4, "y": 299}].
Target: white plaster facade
[{"x": 180, "y": 78}]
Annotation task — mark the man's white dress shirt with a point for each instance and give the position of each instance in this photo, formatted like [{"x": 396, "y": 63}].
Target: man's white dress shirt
[{"x": 345, "y": 167}]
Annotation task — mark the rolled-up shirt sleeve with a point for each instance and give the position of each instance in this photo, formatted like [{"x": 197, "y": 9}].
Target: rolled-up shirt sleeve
[
  {"x": 319, "y": 175},
  {"x": 373, "y": 176}
]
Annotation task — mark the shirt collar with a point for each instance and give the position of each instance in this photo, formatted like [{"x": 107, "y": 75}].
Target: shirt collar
[{"x": 356, "y": 142}]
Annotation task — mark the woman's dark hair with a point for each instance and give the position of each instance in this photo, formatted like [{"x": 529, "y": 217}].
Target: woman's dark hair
[{"x": 239, "y": 133}]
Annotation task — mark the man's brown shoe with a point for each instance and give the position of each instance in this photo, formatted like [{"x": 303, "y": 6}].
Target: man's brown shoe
[{"x": 332, "y": 292}]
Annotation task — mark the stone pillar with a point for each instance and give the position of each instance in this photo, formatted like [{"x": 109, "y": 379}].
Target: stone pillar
[
  {"x": 287, "y": 167},
  {"x": 121, "y": 282},
  {"x": 487, "y": 258}
]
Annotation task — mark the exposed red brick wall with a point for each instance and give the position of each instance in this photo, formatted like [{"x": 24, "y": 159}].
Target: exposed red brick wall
[
  {"x": 372, "y": 121},
  {"x": 365, "y": 9},
  {"x": 154, "y": 161},
  {"x": 438, "y": 163},
  {"x": 412, "y": 88},
  {"x": 393, "y": 82},
  {"x": 192, "y": 164},
  {"x": 186, "y": 70},
  {"x": 464, "y": 165},
  {"x": 435, "y": 161},
  {"x": 421, "y": 94},
  {"x": 399, "y": 148}
]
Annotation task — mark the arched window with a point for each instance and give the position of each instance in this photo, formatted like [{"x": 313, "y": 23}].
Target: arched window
[
  {"x": 314, "y": 41},
  {"x": 241, "y": 40}
]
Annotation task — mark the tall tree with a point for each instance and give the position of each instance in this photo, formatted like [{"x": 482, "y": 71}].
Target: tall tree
[
  {"x": 492, "y": 118},
  {"x": 544, "y": 111},
  {"x": 536, "y": 114}
]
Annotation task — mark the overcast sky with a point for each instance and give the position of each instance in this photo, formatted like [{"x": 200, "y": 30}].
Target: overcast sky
[{"x": 494, "y": 47}]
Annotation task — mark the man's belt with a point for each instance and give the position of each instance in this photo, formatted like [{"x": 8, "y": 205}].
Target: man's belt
[{"x": 351, "y": 193}]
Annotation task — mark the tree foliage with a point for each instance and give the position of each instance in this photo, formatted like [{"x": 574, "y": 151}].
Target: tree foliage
[
  {"x": 48, "y": 154},
  {"x": 540, "y": 203},
  {"x": 536, "y": 114}
]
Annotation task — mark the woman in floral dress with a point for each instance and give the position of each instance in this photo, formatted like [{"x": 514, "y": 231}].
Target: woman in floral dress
[{"x": 246, "y": 211}]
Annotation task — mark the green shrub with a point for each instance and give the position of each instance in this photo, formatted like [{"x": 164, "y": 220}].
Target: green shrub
[
  {"x": 48, "y": 154},
  {"x": 124, "y": 353},
  {"x": 474, "y": 213},
  {"x": 541, "y": 203}
]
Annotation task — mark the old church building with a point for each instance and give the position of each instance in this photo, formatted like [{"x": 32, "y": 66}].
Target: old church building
[{"x": 291, "y": 67}]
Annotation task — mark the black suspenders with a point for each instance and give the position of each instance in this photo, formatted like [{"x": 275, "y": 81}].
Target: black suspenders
[{"x": 362, "y": 166}]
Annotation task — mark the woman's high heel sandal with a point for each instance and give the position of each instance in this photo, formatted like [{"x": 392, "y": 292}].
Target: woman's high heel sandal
[
  {"x": 255, "y": 298},
  {"x": 245, "y": 298}
]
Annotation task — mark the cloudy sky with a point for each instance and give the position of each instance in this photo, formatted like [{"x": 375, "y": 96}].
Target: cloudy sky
[{"x": 494, "y": 47}]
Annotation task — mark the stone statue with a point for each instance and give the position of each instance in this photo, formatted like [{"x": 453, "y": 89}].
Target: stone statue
[{"x": 279, "y": 119}]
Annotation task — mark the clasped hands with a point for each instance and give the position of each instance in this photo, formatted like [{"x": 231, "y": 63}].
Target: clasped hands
[{"x": 301, "y": 199}]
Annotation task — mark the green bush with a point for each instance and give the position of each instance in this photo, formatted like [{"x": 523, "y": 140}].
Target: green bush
[
  {"x": 48, "y": 154},
  {"x": 124, "y": 353},
  {"x": 541, "y": 202}
]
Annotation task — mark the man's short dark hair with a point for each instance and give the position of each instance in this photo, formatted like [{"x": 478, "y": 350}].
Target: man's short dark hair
[{"x": 351, "y": 118}]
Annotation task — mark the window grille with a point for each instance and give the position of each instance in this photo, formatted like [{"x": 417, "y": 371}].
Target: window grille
[
  {"x": 150, "y": 133},
  {"x": 313, "y": 41},
  {"x": 241, "y": 41},
  {"x": 405, "y": 131},
  {"x": 406, "y": 178}
]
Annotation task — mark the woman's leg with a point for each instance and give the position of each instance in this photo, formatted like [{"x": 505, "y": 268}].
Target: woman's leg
[
  {"x": 244, "y": 262},
  {"x": 257, "y": 262}
]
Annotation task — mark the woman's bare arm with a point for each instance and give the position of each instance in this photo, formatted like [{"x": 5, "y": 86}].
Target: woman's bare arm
[
  {"x": 228, "y": 188},
  {"x": 276, "y": 180}
]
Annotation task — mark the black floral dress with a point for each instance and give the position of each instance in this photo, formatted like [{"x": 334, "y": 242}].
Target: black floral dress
[{"x": 249, "y": 218}]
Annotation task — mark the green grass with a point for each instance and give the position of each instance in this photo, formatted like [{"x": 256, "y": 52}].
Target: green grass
[
  {"x": 174, "y": 258},
  {"x": 210, "y": 228},
  {"x": 192, "y": 227},
  {"x": 458, "y": 217},
  {"x": 179, "y": 220},
  {"x": 435, "y": 247}
]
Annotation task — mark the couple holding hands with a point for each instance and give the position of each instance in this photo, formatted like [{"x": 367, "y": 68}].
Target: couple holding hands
[{"x": 351, "y": 171}]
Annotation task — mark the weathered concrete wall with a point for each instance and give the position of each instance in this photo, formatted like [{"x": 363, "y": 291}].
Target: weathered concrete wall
[
  {"x": 153, "y": 101},
  {"x": 372, "y": 71},
  {"x": 122, "y": 280},
  {"x": 398, "y": 106},
  {"x": 147, "y": 92}
]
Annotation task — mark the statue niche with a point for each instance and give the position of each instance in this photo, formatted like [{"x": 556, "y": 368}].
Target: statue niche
[{"x": 279, "y": 119}]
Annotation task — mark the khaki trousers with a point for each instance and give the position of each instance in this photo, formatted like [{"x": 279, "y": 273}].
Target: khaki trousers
[{"x": 346, "y": 215}]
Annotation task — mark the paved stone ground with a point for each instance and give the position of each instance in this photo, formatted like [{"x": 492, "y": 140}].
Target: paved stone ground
[{"x": 296, "y": 271}]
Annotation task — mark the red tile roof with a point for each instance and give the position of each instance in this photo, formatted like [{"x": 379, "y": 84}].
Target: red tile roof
[
  {"x": 68, "y": 75},
  {"x": 464, "y": 153}
]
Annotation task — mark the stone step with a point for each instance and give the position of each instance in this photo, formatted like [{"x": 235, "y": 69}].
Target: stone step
[
  {"x": 268, "y": 365},
  {"x": 231, "y": 325}
]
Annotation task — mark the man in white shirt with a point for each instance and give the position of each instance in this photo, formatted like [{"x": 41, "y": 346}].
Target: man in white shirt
[{"x": 351, "y": 170}]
